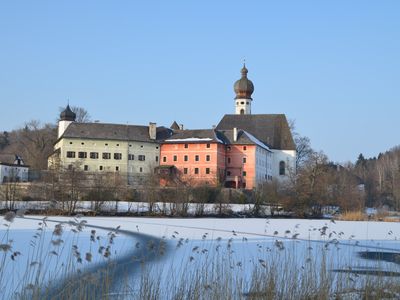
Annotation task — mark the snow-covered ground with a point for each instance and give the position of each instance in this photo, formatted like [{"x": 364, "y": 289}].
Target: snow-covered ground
[{"x": 191, "y": 244}]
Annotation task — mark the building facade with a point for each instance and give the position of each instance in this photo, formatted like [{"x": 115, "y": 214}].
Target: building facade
[
  {"x": 13, "y": 170},
  {"x": 245, "y": 150}
]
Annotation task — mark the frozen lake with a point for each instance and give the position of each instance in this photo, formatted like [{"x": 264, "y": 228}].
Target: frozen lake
[{"x": 144, "y": 251}]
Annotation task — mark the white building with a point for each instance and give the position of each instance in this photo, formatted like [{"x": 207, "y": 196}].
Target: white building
[
  {"x": 15, "y": 171},
  {"x": 271, "y": 129},
  {"x": 131, "y": 150}
]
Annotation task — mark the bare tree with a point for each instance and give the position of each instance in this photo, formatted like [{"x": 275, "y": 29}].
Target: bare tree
[{"x": 303, "y": 146}]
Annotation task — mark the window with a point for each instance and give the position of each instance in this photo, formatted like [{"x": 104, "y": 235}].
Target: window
[
  {"x": 131, "y": 157},
  {"x": 229, "y": 160},
  {"x": 207, "y": 170},
  {"x": 141, "y": 157},
  {"x": 244, "y": 173},
  {"x": 196, "y": 170},
  {"x": 106, "y": 144},
  {"x": 196, "y": 158},
  {"x": 156, "y": 158},
  {"x": 228, "y": 173},
  {"x": 208, "y": 145},
  {"x": 82, "y": 154},
  {"x": 207, "y": 157},
  {"x": 70, "y": 167},
  {"x": 157, "y": 147},
  {"x": 101, "y": 168},
  {"x": 117, "y": 145},
  {"x": 185, "y": 158},
  {"x": 244, "y": 160},
  {"x": 175, "y": 158},
  {"x": 94, "y": 155},
  {"x": 82, "y": 143},
  {"x": 242, "y": 111},
  {"x": 140, "y": 169},
  {"x": 141, "y": 146},
  {"x": 282, "y": 168},
  {"x": 86, "y": 168},
  {"x": 244, "y": 148},
  {"x": 164, "y": 159},
  {"x": 70, "y": 143},
  {"x": 106, "y": 155},
  {"x": 242, "y": 102},
  {"x": 70, "y": 154},
  {"x": 185, "y": 170},
  {"x": 118, "y": 156},
  {"x": 117, "y": 168},
  {"x": 186, "y": 146}
]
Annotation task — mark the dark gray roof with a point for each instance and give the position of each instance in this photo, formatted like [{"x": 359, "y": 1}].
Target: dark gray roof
[
  {"x": 243, "y": 138},
  {"x": 114, "y": 132},
  {"x": 174, "y": 126},
  {"x": 195, "y": 136},
  {"x": 67, "y": 114},
  {"x": 272, "y": 129}
]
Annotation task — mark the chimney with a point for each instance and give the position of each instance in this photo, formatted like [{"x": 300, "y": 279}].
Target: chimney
[
  {"x": 235, "y": 133},
  {"x": 152, "y": 130}
]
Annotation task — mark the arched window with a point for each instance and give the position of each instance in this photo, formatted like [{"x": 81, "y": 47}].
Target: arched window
[
  {"x": 282, "y": 168},
  {"x": 242, "y": 111}
]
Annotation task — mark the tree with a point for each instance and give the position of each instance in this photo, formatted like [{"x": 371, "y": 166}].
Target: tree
[
  {"x": 303, "y": 146},
  {"x": 34, "y": 143}
]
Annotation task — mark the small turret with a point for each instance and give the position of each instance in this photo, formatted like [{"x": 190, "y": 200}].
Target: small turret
[{"x": 67, "y": 116}]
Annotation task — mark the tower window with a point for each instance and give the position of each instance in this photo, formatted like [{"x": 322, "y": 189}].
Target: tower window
[
  {"x": 244, "y": 148},
  {"x": 242, "y": 102},
  {"x": 247, "y": 102},
  {"x": 282, "y": 168},
  {"x": 156, "y": 158},
  {"x": 244, "y": 173},
  {"x": 140, "y": 169},
  {"x": 242, "y": 111},
  {"x": 101, "y": 168},
  {"x": 229, "y": 160}
]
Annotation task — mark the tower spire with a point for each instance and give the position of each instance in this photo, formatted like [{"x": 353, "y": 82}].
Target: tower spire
[{"x": 244, "y": 88}]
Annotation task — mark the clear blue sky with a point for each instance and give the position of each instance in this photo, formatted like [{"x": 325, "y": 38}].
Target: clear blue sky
[{"x": 333, "y": 66}]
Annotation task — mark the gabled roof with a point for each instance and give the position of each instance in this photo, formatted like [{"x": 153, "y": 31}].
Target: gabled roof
[
  {"x": 195, "y": 136},
  {"x": 175, "y": 126},
  {"x": 114, "y": 132},
  {"x": 243, "y": 138},
  {"x": 271, "y": 129}
]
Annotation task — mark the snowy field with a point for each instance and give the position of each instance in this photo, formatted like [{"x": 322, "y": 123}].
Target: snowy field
[{"x": 47, "y": 257}]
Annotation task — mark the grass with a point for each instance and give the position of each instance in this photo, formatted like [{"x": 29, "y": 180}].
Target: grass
[{"x": 208, "y": 269}]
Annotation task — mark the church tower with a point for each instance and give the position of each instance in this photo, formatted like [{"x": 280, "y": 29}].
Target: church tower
[
  {"x": 67, "y": 116},
  {"x": 243, "y": 89}
]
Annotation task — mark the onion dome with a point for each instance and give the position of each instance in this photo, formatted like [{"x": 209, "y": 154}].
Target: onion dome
[
  {"x": 243, "y": 87},
  {"x": 67, "y": 114}
]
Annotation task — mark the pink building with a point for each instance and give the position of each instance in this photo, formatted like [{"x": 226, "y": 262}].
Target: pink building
[{"x": 232, "y": 158}]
